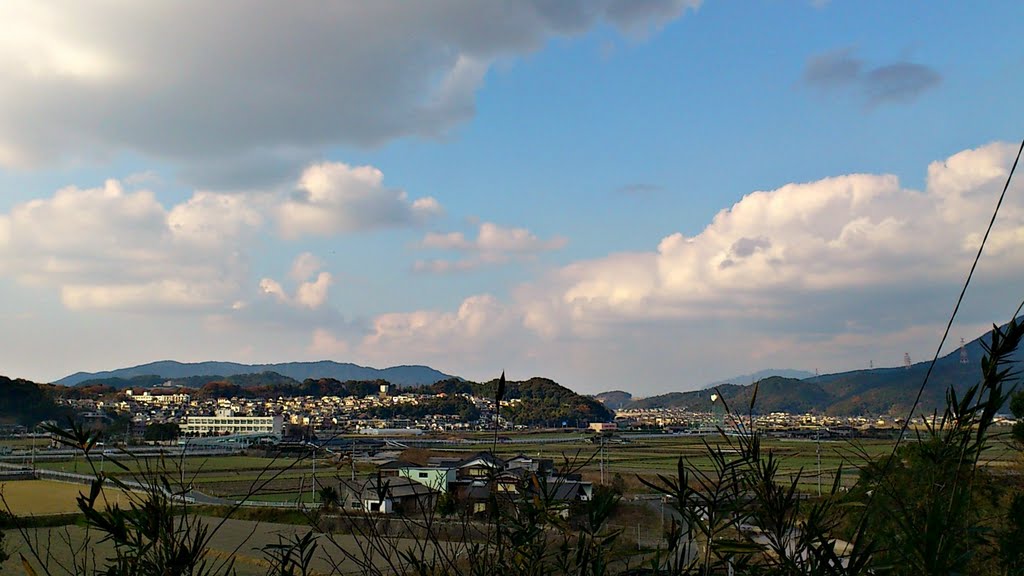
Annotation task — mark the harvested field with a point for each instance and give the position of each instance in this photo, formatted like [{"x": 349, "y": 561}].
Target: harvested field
[{"x": 43, "y": 497}]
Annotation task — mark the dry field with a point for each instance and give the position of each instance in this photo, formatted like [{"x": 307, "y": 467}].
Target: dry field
[
  {"x": 43, "y": 497},
  {"x": 241, "y": 539}
]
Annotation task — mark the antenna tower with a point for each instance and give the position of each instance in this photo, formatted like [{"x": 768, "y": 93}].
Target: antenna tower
[
  {"x": 963, "y": 353},
  {"x": 906, "y": 360}
]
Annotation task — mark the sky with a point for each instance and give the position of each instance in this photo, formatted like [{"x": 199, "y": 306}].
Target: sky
[{"x": 639, "y": 195}]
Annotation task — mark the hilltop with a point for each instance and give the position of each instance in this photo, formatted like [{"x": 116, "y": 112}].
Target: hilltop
[
  {"x": 297, "y": 371},
  {"x": 860, "y": 392}
]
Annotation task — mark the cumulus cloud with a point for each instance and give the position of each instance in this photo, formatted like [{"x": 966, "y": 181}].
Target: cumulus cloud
[
  {"x": 494, "y": 244},
  {"x": 897, "y": 82},
  {"x": 114, "y": 248},
  {"x": 334, "y": 198},
  {"x": 304, "y": 266},
  {"x": 237, "y": 91},
  {"x": 833, "y": 236},
  {"x": 309, "y": 293},
  {"x": 118, "y": 247},
  {"x": 808, "y": 274},
  {"x": 481, "y": 328}
]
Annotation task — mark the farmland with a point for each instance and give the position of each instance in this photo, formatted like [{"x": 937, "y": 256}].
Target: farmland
[
  {"x": 629, "y": 456},
  {"x": 238, "y": 539},
  {"x": 45, "y": 497}
]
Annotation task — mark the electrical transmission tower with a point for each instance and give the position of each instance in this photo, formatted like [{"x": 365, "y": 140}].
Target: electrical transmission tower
[
  {"x": 906, "y": 360},
  {"x": 963, "y": 353}
]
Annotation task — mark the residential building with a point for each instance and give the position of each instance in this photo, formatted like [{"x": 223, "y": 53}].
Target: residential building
[{"x": 231, "y": 424}]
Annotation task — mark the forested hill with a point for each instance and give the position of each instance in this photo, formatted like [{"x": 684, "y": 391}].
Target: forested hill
[
  {"x": 27, "y": 403},
  {"x": 543, "y": 402},
  {"x": 614, "y": 399},
  {"x": 860, "y": 392},
  {"x": 298, "y": 371}
]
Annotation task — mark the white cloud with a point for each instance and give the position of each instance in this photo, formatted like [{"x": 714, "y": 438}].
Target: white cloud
[
  {"x": 325, "y": 345},
  {"x": 207, "y": 219},
  {"x": 273, "y": 288},
  {"x": 833, "y": 236},
  {"x": 334, "y": 198},
  {"x": 494, "y": 244},
  {"x": 310, "y": 294},
  {"x": 304, "y": 266},
  {"x": 242, "y": 91},
  {"x": 115, "y": 249},
  {"x": 827, "y": 274},
  {"x": 477, "y": 327},
  {"x": 313, "y": 294}
]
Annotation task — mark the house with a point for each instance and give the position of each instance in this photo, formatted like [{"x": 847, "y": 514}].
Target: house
[
  {"x": 431, "y": 477},
  {"x": 393, "y": 468},
  {"x": 477, "y": 482},
  {"x": 479, "y": 466},
  {"x": 538, "y": 465},
  {"x": 397, "y": 495}
]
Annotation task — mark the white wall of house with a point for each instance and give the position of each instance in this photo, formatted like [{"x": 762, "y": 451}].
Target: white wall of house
[
  {"x": 435, "y": 478},
  {"x": 378, "y": 507}
]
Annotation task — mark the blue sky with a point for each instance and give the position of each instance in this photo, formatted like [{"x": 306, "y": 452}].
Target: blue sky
[{"x": 645, "y": 196}]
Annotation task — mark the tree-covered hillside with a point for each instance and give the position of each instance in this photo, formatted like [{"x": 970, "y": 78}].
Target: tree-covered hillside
[
  {"x": 543, "y": 402},
  {"x": 27, "y": 403},
  {"x": 882, "y": 391}
]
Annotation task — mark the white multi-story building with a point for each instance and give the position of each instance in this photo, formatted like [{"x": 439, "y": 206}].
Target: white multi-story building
[
  {"x": 159, "y": 399},
  {"x": 230, "y": 424}
]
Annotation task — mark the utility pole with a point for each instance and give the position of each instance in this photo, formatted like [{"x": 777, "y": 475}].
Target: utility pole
[
  {"x": 817, "y": 439},
  {"x": 312, "y": 488},
  {"x": 663, "y": 515}
]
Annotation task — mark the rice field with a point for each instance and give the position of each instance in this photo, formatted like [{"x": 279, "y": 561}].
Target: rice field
[
  {"x": 282, "y": 479},
  {"x": 46, "y": 497},
  {"x": 241, "y": 540}
]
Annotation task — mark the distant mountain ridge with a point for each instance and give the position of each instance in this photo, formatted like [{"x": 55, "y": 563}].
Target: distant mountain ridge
[
  {"x": 761, "y": 375},
  {"x": 879, "y": 391},
  {"x": 400, "y": 375}
]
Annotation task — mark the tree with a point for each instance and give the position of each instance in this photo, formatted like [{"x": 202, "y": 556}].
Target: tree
[
  {"x": 329, "y": 497},
  {"x": 162, "y": 431},
  {"x": 1017, "y": 407}
]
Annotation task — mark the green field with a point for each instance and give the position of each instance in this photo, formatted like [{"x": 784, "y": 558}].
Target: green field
[{"x": 280, "y": 479}]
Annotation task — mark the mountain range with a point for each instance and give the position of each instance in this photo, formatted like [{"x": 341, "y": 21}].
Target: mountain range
[
  {"x": 169, "y": 369},
  {"x": 879, "y": 391}
]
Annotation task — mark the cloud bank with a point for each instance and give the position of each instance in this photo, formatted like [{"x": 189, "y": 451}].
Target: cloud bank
[
  {"x": 118, "y": 247},
  {"x": 782, "y": 274},
  {"x": 241, "y": 92}
]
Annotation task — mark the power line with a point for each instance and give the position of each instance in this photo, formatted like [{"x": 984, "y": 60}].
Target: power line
[{"x": 949, "y": 325}]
